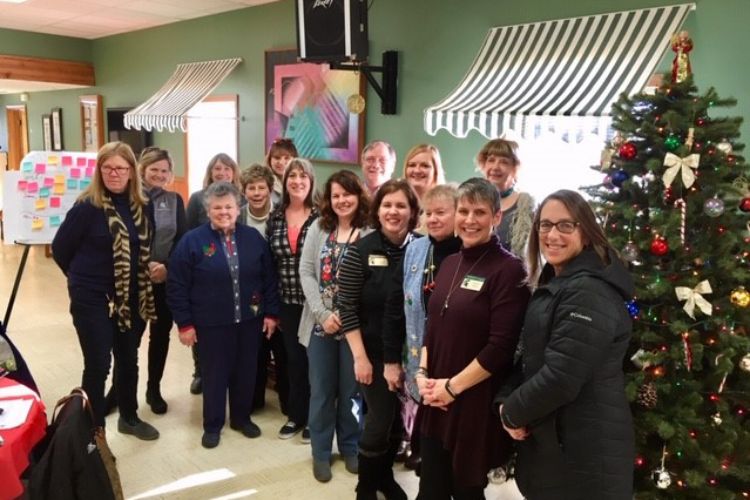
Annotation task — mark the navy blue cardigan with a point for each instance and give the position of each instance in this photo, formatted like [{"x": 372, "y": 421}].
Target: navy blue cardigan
[{"x": 199, "y": 285}]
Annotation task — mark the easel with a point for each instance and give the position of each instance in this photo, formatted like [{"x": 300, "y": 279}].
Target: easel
[{"x": 27, "y": 246}]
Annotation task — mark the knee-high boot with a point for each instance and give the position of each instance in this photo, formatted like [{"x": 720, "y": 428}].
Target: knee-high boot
[
  {"x": 367, "y": 478},
  {"x": 386, "y": 482}
]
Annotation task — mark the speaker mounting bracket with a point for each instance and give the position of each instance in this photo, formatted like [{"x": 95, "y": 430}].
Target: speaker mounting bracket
[{"x": 389, "y": 68}]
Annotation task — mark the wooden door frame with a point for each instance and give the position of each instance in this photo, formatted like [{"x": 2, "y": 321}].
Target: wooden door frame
[{"x": 10, "y": 110}]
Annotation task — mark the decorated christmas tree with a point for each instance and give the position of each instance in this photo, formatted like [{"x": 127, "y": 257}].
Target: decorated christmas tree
[{"x": 676, "y": 202}]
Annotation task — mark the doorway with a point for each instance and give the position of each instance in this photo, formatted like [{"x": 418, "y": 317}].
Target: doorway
[{"x": 18, "y": 135}]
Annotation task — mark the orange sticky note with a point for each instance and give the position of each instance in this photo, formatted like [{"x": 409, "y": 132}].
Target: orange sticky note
[
  {"x": 37, "y": 224},
  {"x": 58, "y": 189},
  {"x": 40, "y": 204},
  {"x": 60, "y": 179},
  {"x": 53, "y": 160},
  {"x": 54, "y": 202}
]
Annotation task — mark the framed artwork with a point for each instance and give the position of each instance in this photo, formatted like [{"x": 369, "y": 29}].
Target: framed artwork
[
  {"x": 307, "y": 103},
  {"x": 47, "y": 132},
  {"x": 57, "y": 142},
  {"x": 92, "y": 122}
]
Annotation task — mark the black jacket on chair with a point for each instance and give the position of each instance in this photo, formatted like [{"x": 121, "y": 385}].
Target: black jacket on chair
[{"x": 572, "y": 398}]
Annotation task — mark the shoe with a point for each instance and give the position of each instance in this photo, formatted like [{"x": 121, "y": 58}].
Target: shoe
[
  {"x": 196, "y": 386},
  {"x": 249, "y": 429},
  {"x": 110, "y": 401},
  {"x": 210, "y": 439},
  {"x": 403, "y": 452},
  {"x": 138, "y": 428},
  {"x": 289, "y": 430},
  {"x": 306, "y": 435},
  {"x": 156, "y": 402},
  {"x": 322, "y": 470},
  {"x": 413, "y": 461},
  {"x": 351, "y": 463}
]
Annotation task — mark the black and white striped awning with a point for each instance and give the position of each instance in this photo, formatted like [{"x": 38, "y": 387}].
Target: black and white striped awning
[
  {"x": 187, "y": 86},
  {"x": 558, "y": 76}
]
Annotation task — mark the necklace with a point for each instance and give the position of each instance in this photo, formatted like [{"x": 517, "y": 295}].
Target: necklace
[
  {"x": 507, "y": 192},
  {"x": 455, "y": 285}
]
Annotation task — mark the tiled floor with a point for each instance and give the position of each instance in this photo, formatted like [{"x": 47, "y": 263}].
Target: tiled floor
[{"x": 174, "y": 466}]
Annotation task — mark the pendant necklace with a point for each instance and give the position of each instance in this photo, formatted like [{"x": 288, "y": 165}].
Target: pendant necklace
[{"x": 455, "y": 285}]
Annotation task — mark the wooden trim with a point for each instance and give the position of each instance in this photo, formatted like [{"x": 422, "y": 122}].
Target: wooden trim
[{"x": 36, "y": 69}]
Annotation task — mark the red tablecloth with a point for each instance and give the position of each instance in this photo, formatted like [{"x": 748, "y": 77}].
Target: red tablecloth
[{"x": 14, "y": 453}]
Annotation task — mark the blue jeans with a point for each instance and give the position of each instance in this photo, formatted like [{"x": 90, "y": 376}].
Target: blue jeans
[{"x": 335, "y": 403}]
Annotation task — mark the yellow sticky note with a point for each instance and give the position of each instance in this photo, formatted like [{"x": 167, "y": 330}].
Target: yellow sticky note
[
  {"x": 53, "y": 160},
  {"x": 58, "y": 189},
  {"x": 37, "y": 223},
  {"x": 59, "y": 179},
  {"x": 41, "y": 204}
]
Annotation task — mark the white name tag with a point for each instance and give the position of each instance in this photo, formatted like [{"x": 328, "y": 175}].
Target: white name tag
[
  {"x": 378, "y": 261},
  {"x": 473, "y": 283}
]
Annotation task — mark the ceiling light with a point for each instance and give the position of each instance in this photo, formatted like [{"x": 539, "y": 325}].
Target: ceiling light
[{"x": 13, "y": 1}]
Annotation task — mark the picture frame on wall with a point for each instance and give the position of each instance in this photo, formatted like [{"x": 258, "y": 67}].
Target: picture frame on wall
[
  {"x": 310, "y": 104},
  {"x": 47, "y": 132},
  {"x": 57, "y": 141}
]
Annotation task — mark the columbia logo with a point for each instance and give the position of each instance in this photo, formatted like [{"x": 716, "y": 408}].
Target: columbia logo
[{"x": 579, "y": 316}]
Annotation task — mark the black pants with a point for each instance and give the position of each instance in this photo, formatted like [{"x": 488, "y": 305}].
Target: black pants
[
  {"x": 100, "y": 339},
  {"x": 382, "y": 428},
  {"x": 276, "y": 346},
  {"x": 158, "y": 339},
  {"x": 436, "y": 481},
  {"x": 299, "y": 385},
  {"x": 228, "y": 358}
]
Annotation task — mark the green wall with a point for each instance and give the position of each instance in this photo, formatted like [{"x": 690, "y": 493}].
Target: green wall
[{"x": 437, "y": 41}]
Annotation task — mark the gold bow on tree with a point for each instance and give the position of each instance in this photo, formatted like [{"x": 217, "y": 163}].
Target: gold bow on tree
[
  {"x": 685, "y": 165},
  {"x": 694, "y": 298}
]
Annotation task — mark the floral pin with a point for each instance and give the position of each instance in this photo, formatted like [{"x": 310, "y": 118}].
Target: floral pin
[
  {"x": 255, "y": 303},
  {"x": 209, "y": 250}
]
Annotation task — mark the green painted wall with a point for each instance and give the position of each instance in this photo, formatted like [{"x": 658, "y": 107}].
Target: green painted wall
[{"x": 437, "y": 41}]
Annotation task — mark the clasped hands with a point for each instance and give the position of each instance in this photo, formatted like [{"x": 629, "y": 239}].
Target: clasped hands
[{"x": 433, "y": 392}]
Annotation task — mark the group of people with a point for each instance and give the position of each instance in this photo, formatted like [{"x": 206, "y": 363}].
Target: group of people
[{"x": 448, "y": 325}]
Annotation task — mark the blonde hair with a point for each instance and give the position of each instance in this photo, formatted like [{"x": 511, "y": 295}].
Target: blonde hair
[
  {"x": 229, "y": 162},
  {"x": 151, "y": 155},
  {"x": 441, "y": 192},
  {"x": 94, "y": 193},
  {"x": 437, "y": 164}
]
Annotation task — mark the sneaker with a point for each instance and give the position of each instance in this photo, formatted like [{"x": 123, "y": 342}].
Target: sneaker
[
  {"x": 351, "y": 462},
  {"x": 322, "y": 470},
  {"x": 138, "y": 428},
  {"x": 210, "y": 439},
  {"x": 249, "y": 429},
  {"x": 196, "y": 386},
  {"x": 289, "y": 430},
  {"x": 156, "y": 402},
  {"x": 306, "y": 435}
]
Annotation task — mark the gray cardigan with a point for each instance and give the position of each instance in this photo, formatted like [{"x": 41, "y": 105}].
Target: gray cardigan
[{"x": 309, "y": 272}]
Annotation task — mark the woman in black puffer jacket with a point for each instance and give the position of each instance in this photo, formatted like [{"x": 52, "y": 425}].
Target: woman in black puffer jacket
[{"x": 570, "y": 414}]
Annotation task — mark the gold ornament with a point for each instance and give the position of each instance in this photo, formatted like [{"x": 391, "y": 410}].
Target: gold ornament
[
  {"x": 716, "y": 417},
  {"x": 355, "y": 103},
  {"x": 725, "y": 147},
  {"x": 745, "y": 363},
  {"x": 740, "y": 297}
]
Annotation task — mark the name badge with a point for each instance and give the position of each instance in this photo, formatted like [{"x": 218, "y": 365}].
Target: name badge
[
  {"x": 473, "y": 283},
  {"x": 378, "y": 261}
]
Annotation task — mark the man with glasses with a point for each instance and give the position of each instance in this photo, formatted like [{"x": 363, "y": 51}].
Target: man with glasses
[{"x": 378, "y": 163}]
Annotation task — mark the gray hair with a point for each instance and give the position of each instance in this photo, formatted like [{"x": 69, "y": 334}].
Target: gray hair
[
  {"x": 372, "y": 144},
  {"x": 220, "y": 190},
  {"x": 478, "y": 190}
]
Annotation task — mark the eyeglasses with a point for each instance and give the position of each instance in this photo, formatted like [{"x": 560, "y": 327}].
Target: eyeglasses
[
  {"x": 118, "y": 170},
  {"x": 563, "y": 226}
]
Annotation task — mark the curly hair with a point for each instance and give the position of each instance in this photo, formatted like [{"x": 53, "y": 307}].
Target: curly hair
[{"x": 353, "y": 185}]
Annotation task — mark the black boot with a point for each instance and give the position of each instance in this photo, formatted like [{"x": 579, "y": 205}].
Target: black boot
[
  {"x": 155, "y": 400},
  {"x": 386, "y": 483},
  {"x": 110, "y": 401},
  {"x": 367, "y": 478}
]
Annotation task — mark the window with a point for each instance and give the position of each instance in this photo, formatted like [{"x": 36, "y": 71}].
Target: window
[{"x": 212, "y": 128}]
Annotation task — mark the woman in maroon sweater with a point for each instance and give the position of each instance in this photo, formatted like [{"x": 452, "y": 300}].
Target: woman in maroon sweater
[{"x": 474, "y": 319}]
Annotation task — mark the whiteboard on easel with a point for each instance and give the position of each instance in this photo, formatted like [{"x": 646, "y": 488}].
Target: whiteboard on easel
[{"x": 37, "y": 197}]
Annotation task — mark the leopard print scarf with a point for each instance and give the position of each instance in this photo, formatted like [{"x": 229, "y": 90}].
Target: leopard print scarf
[{"x": 121, "y": 255}]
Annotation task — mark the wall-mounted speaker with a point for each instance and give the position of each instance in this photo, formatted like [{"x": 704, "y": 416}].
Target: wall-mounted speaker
[{"x": 332, "y": 30}]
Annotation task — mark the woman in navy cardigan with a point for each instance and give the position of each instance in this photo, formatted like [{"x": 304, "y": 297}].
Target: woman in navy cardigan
[{"x": 222, "y": 289}]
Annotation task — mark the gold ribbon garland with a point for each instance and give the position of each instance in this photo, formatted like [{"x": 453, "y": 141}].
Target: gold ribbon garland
[
  {"x": 684, "y": 165},
  {"x": 694, "y": 297}
]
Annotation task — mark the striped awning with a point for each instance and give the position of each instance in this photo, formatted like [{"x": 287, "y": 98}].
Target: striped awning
[
  {"x": 187, "y": 86},
  {"x": 558, "y": 76}
]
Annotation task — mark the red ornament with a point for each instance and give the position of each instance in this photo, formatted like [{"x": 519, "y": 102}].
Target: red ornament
[
  {"x": 659, "y": 246},
  {"x": 628, "y": 151},
  {"x": 745, "y": 204}
]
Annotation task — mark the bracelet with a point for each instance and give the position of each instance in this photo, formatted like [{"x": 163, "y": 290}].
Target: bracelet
[
  {"x": 421, "y": 371},
  {"x": 449, "y": 390}
]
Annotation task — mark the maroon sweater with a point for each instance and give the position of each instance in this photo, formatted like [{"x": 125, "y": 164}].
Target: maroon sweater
[{"x": 485, "y": 325}]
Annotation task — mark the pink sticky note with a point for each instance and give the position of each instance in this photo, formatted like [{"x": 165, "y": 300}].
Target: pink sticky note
[
  {"x": 75, "y": 173},
  {"x": 54, "y": 202},
  {"x": 22, "y": 185},
  {"x": 67, "y": 161},
  {"x": 89, "y": 172},
  {"x": 92, "y": 163},
  {"x": 49, "y": 182},
  {"x": 32, "y": 187},
  {"x": 80, "y": 161},
  {"x": 40, "y": 168}
]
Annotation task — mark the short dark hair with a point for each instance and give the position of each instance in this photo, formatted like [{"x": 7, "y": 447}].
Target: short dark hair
[
  {"x": 390, "y": 187},
  {"x": 499, "y": 147},
  {"x": 351, "y": 184},
  {"x": 281, "y": 145},
  {"x": 478, "y": 190},
  {"x": 257, "y": 172}
]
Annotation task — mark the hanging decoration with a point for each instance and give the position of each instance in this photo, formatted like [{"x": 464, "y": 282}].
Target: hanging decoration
[
  {"x": 630, "y": 251},
  {"x": 680, "y": 203},
  {"x": 745, "y": 363},
  {"x": 684, "y": 165},
  {"x": 619, "y": 177},
  {"x": 682, "y": 44},
  {"x": 661, "y": 475},
  {"x": 740, "y": 297},
  {"x": 659, "y": 246},
  {"x": 725, "y": 147},
  {"x": 672, "y": 142},
  {"x": 713, "y": 207},
  {"x": 688, "y": 351},
  {"x": 690, "y": 138},
  {"x": 647, "y": 396},
  {"x": 694, "y": 297},
  {"x": 628, "y": 151}
]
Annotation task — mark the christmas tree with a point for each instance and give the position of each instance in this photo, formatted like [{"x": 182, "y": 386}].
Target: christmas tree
[{"x": 675, "y": 202}]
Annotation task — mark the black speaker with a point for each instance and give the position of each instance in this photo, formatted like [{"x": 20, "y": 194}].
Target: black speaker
[{"x": 332, "y": 30}]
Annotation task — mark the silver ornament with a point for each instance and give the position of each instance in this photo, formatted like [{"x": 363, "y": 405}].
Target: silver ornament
[
  {"x": 725, "y": 147},
  {"x": 662, "y": 479},
  {"x": 745, "y": 363},
  {"x": 713, "y": 207},
  {"x": 639, "y": 360},
  {"x": 630, "y": 252},
  {"x": 716, "y": 417}
]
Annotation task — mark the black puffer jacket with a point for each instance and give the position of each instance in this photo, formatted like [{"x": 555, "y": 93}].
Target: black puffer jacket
[{"x": 572, "y": 398}]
